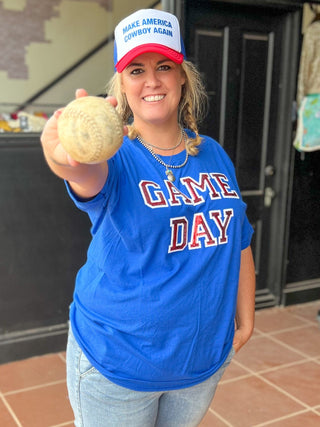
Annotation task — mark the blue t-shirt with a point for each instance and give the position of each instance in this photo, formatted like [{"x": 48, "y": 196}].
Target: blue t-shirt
[{"x": 154, "y": 304}]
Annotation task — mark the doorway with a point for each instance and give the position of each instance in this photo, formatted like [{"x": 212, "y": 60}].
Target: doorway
[{"x": 247, "y": 57}]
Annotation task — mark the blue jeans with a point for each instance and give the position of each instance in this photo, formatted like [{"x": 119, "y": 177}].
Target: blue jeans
[{"x": 97, "y": 402}]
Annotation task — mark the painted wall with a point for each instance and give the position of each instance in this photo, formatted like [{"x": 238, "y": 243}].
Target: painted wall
[
  {"x": 41, "y": 39},
  {"x": 308, "y": 15}
]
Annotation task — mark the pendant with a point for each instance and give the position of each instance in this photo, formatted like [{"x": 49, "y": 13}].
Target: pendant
[{"x": 170, "y": 175}]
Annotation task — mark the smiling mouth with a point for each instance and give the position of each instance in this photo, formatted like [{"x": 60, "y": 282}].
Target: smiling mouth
[{"x": 153, "y": 98}]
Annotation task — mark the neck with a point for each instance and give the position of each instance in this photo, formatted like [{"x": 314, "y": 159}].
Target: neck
[{"x": 163, "y": 141}]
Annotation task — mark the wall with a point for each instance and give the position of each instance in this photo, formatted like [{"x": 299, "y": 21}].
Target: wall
[
  {"x": 302, "y": 264},
  {"x": 40, "y": 40},
  {"x": 308, "y": 15},
  {"x": 43, "y": 237}
]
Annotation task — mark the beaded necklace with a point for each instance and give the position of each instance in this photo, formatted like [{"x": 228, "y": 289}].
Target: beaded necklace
[{"x": 168, "y": 167}]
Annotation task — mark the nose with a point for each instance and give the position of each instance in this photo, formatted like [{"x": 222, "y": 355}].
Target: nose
[{"x": 152, "y": 79}]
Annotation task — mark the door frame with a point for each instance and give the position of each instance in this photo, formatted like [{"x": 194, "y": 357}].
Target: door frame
[{"x": 282, "y": 182}]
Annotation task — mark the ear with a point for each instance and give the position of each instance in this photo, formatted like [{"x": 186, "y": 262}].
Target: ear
[{"x": 183, "y": 77}]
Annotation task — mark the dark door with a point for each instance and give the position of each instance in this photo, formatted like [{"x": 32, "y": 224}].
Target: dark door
[{"x": 238, "y": 50}]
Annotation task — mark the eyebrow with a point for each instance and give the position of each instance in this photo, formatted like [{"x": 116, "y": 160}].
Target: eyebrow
[{"x": 138, "y": 64}]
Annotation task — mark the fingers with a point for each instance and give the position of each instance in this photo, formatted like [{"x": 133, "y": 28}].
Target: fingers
[
  {"x": 57, "y": 113},
  {"x": 241, "y": 337},
  {"x": 112, "y": 100},
  {"x": 80, "y": 93},
  {"x": 49, "y": 130}
]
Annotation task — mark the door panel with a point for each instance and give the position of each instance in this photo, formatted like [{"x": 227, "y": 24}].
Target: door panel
[
  {"x": 254, "y": 105},
  {"x": 234, "y": 48},
  {"x": 210, "y": 57}
]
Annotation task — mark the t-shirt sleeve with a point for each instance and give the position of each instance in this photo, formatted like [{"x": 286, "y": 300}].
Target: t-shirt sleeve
[
  {"x": 247, "y": 232},
  {"x": 97, "y": 204}
]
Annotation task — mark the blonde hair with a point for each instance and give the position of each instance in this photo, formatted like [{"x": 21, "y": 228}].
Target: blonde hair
[{"x": 192, "y": 107}]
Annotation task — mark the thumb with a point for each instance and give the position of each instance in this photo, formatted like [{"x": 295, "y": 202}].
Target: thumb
[{"x": 71, "y": 161}]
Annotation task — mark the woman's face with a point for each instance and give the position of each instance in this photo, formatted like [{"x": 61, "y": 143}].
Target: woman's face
[{"x": 152, "y": 84}]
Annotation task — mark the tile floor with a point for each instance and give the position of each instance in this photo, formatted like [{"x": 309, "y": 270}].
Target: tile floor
[{"x": 273, "y": 381}]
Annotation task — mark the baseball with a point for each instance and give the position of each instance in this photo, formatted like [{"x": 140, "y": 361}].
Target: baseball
[{"x": 90, "y": 129}]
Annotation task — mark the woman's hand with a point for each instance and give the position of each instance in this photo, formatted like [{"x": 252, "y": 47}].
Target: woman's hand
[
  {"x": 53, "y": 149},
  {"x": 86, "y": 180},
  {"x": 51, "y": 144},
  {"x": 241, "y": 336}
]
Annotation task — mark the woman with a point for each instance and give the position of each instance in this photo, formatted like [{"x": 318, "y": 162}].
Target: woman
[{"x": 167, "y": 293}]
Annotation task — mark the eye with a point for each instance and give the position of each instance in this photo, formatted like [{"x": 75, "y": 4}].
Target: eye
[
  {"x": 164, "y": 67},
  {"x": 136, "y": 71}
]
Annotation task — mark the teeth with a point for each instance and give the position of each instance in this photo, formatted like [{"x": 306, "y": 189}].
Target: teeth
[{"x": 153, "y": 98}]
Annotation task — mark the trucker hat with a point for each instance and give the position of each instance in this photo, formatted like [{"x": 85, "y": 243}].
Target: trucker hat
[{"x": 147, "y": 30}]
